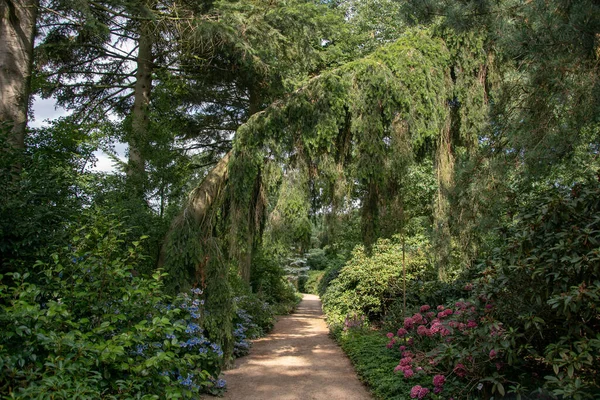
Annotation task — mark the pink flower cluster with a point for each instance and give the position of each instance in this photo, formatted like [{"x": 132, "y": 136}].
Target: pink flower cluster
[
  {"x": 438, "y": 383},
  {"x": 460, "y": 370},
  {"x": 405, "y": 365},
  {"x": 418, "y": 392}
]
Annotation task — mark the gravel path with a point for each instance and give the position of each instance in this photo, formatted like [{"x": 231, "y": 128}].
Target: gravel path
[{"x": 297, "y": 360}]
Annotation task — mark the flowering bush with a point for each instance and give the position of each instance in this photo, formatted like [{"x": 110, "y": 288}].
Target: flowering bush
[
  {"x": 458, "y": 347},
  {"x": 90, "y": 328}
]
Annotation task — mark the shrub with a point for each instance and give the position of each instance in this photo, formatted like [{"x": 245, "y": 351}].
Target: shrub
[
  {"x": 330, "y": 274},
  {"x": 367, "y": 283},
  {"x": 258, "y": 312},
  {"x": 90, "y": 327},
  {"x": 458, "y": 349},
  {"x": 268, "y": 281},
  {"x": 317, "y": 259},
  {"x": 545, "y": 280},
  {"x": 313, "y": 281},
  {"x": 530, "y": 324},
  {"x": 418, "y": 293}
]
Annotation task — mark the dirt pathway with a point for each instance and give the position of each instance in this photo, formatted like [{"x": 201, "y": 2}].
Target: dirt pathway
[{"x": 297, "y": 360}]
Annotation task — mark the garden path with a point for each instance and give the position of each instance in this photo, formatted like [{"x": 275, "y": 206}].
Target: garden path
[{"x": 296, "y": 361}]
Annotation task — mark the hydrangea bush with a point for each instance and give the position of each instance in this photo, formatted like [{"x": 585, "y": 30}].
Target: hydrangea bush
[{"x": 86, "y": 325}]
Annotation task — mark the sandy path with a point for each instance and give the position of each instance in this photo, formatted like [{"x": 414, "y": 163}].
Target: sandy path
[{"x": 297, "y": 360}]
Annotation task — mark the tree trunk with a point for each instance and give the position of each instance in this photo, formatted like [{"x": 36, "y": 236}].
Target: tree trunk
[
  {"x": 136, "y": 170},
  {"x": 200, "y": 202},
  {"x": 17, "y": 31},
  {"x": 203, "y": 196}
]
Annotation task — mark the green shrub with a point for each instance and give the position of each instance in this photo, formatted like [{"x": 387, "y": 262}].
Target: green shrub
[
  {"x": 261, "y": 314},
  {"x": 317, "y": 259},
  {"x": 313, "y": 281},
  {"x": 529, "y": 327},
  {"x": 92, "y": 327},
  {"x": 330, "y": 274},
  {"x": 544, "y": 281},
  {"x": 269, "y": 283},
  {"x": 367, "y": 284},
  {"x": 419, "y": 293}
]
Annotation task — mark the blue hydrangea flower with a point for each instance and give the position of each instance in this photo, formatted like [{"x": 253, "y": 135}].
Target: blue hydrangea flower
[{"x": 220, "y": 383}]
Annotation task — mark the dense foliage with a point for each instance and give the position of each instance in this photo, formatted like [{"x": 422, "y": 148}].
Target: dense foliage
[{"x": 430, "y": 168}]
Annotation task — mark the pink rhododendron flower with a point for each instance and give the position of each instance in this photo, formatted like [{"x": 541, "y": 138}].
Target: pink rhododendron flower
[
  {"x": 440, "y": 308},
  {"x": 468, "y": 286},
  {"x": 460, "y": 370},
  {"x": 417, "y": 318},
  {"x": 448, "y": 311},
  {"x": 423, "y": 331},
  {"x": 493, "y": 354},
  {"x": 439, "y": 380},
  {"x": 402, "y": 332},
  {"x": 389, "y": 345},
  {"x": 423, "y": 392},
  {"x": 408, "y": 323},
  {"x": 425, "y": 308},
  {"x": 407, "y": 354},
  {"x": 406, "y": 361},
  {"x": 430, "y": 314},
  {"x": 414, "y": 392},
  {"x": 390, "y": 335},
  {"x": 436, "y": 326},
  {"x": 471, "y": 324},
  {"x": 438, "y": 389},
  {"x": 398, "y": 368},
  {"x": 408, "y": 373},
  {"x": 402, "y": 348}
]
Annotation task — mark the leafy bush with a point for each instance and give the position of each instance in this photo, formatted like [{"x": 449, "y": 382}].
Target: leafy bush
[
  {"x": 530, "y": 326},
  {"x": 317, "y": 259},
  {"x": 91, "y": 327},
  {"x": 330, "y": 274},
  {"x": 42, "y": 199},
  {"x": 544, "y": 281},
  {"x": 258, "y": 312},
  {"x": 269, "y": 283},
  {"x": 367, "y": 284},
  {"x": 461, "y": 350},
  {"x": 313, "y": 281}
]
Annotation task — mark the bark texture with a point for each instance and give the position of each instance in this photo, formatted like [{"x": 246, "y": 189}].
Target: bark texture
[
  {"x": 139, "y": 114},
  {"x": 17, "y": 30},
  {"x": 203, "y": 196}
]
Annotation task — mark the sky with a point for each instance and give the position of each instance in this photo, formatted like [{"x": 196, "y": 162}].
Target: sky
[{"x": 45, "y": 110}]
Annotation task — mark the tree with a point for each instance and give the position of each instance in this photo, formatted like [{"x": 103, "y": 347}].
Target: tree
[{"x": 17, "y": 29}]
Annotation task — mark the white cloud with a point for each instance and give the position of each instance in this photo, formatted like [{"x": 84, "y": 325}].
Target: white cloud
[{"x": 44, "y": 111}]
